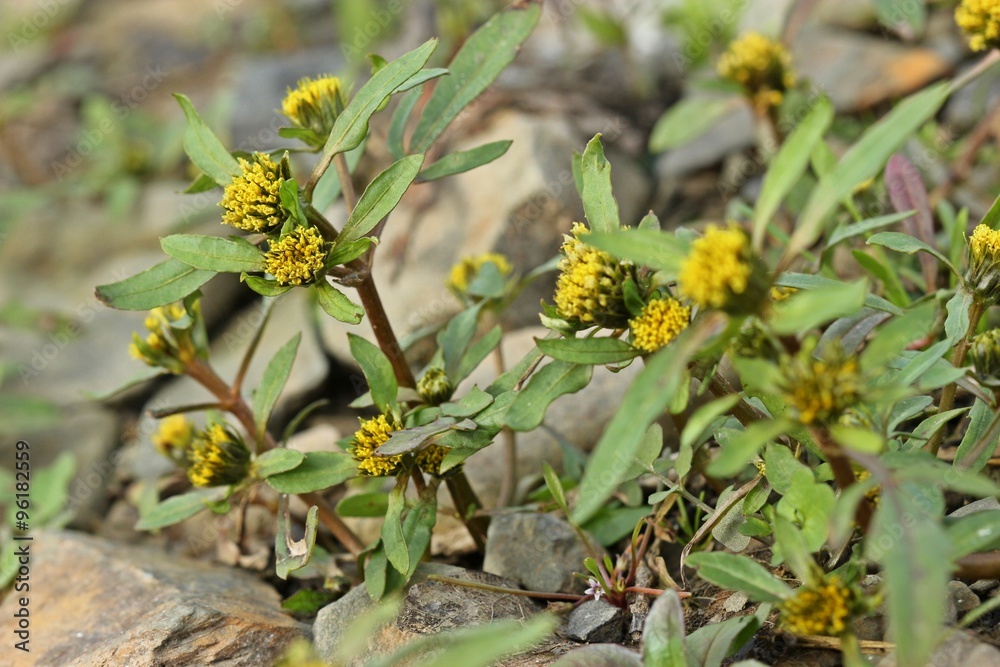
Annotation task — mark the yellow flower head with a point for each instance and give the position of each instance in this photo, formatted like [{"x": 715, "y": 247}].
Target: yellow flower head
[
  {"x": 761, "y": 65},
  {"x": 314, "y": 105},
  {"x": 659, "y": 323},
  {"x": 983, "y": 274},
  {"x": 822, "y": 388},
  {"x": 252, "y": 202},
  {"x": 174, "y": 436},
  {"x": 718, "y": 270},
  {"x": 589, "y": 287},
  {"x": 429, "y": 458},
  {"x": 465, "y": 271},
  {"x": 985, "y": 356},
  {"x": 434, "y": 386},
  {"x": 819, "y": 608},
  {"x": 169, "y": 344},
  {"x": 295, "y": 259},
  {"x": 781, "y": 293},
  {"x": 218, "y": 457},
  {"x": 367, "y": 439},
  {"x": 980, "y": 19},
  {"x": 873, "y": 493}
]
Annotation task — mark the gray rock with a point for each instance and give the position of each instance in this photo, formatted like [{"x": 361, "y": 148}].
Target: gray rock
[
  {"x": 961, "y": 648},
  {"x": 733, "y": 132},
  {"x": 596, "y": 622},
  {"x": 539, "y": 551},
  {"x": 961, "y": 600},
  {"x": 981, "y": 505},
  {"x": 983, "y": 586},
  {"x": 137, "y": 606},
  {"x": 970, "y": 104},
  {"x": 428, "y": 607}
]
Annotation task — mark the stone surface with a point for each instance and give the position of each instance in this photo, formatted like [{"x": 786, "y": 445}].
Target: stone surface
[
  {"x": 733, "y": 132},
  {"x": 980, "y": 505},
  {"x": 132, "y": 606},
  {"x": 959, "y": 649},
  {"x": 961, "y": 600},
  {"x": 428, "y": 607},
  {"x": 539, "y": 551},
  {"x": 596, "y": 622}
]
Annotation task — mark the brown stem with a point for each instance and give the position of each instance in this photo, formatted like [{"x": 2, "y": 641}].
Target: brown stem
[
  {"x": 466, "y": 504},
  {"x": 346, "y": 183},
  {"x": 743, "y": 411},
  {"x": 372, "y": 303},
  {"x": 957, "y": 359},
  {"x": 842, "y": 472}
]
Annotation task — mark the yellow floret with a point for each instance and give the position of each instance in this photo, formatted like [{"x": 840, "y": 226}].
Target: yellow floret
[
  {"x": 252, "y": 202},
  {"x": 717, "y": 268},
  {"x": 296, "y": 258},
  {"x": 980, "y": 20},
  {"x": 659, "y": 323}
]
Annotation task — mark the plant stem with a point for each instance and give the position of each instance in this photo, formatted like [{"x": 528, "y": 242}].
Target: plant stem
[
  {"x": 508, "y": 483},
  {"x": 466, "y": 504},
  {"x": 346, "y": 184},
  {"x": 842, "y": 472},
  {"x": 743, "y": 411},
  {"x": 976, "y": 311},
  {"x": 372, "y": 303}
]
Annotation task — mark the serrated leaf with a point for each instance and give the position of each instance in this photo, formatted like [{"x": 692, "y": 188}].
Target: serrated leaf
[
  {"x": 788, "y": 166},
  {"x": 549, "y": 383},
  {"x": 276, "y": 461},
  {"x": 462, "y": 161},
  {"x": 318, "y": 471},
  {"x": 380, "y": 197},
  {"x": 272, "y": 382},
  {"x": 158, "y": 285},
  {"x": 204, "y": 148},
  {"x": 599, "y": 203},
  {"x": 739, "y": 573},
  {"x": 474, "y": 68},
  {"x": 592, "y": 351},
  {"x": 351, "y": 126},
  {"x": 378, "y": 371},
  {"x": 177, "y": 508},
  {"x": 214, "y": 253},
  {"x": 336, "y": 304}
]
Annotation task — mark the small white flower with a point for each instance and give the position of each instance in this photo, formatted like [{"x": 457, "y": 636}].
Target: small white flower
[{"x": 595, "y": 589}]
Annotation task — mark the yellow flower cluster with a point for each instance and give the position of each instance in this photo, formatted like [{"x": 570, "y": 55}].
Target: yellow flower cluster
[
  {"x": 252, "y": 202},
  {"x": 820, "y": 608},
  {"x": 465, "y": 271},
  {"x": 218, "y": 457},
  {"x": 375, "y": 432},
  {"x": 781, "y": 293},
  {"x": 295, "y": 259},
  {"x": 659, "y": 323},
  {"x": 873, "y": 493},
  {"x": 761, "y": 65},
  {"x": 983, "y": 274},
  {"x": 717, "y": 268},
  {"x": 980, "y": 19},
  {"x": 173, "y": 436},
  {"x": 168, "y": 344},
  {"x": 984, "y": 244},
  {"x": 821, "y": 389},
  {"x": 589, "y": 287},
  {"x": 314, "y": 105}
]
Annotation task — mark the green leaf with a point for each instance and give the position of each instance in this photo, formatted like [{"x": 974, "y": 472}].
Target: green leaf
[
  {"x": 328, "y": 186},
  {"x": 979, "y": 422},
  {"x": 417, "y": 527},
  {"x": 555, "y": 487},
  {"x": 979, "y": 531},
  {"x": 663, "y": 634},
  {"x": 909, "y": 244},
  {"x": 272, "y": 382},
  {"x": 474, "y": 401},
  {"x": 318, "y": 471},
  {"x": 454, "y": 339},
  {"x": 788, "y": 166},
  {"x": 591, "y": 351},
  {"x": 474, "y": 68},
  {"x": 915, "y": 555},
  {"x": 599, "y": 203},
  {"x": 392, "y": 530},
  {"x": 476, "y": 352},
  {"x": 380, "y": 197},
  {"x": 351, "y": 126},
  {"x": 335, "y": 304},
  {"x": 858, "y": 228},
  {"x": 205, "y": 149},
  {"x": 158, "y": 285},
  {"x": 655, "y": 249},
  {"x": 289, "y": 193},
  {"x": 739, "y": 573},
  {"x": 703, "y": 417},
  {"x": 264, "y": 286},
  {"x": 407, "y": 440},
  {"x": 711, "y": 644},
  {"x": 548, "y": 384},
  {"x": 291, "y": 555},
  {"x": 203, "y": 183},
  {"x": 881, "y": 271},
  {"x": 804, "y": 281},
  {"x": 957, "y": 322},
  {"x": 858, "y": 438},
  {"x": 398, "y": 123},
  {"x": 378, "y": 371},
  {"x": 421, "y": 77},
  {"x": 177, "y": 508},
  {"x": 645, "y": 400},
  {"x": 276, "y": 461},
  {"x": 807, "y": 309},
  {"x": 367, "y": 505},
  {"x": 213, "y": 253},
  {"x": 688, "y": 119},
  {"x": 866, "y": 158},
  {"x": 739, "y": 450},
  {"x": 462, "y": 161},
  {"x": 342, "y": 253},
  {"x": 599, "y": 655},
  {"x": 604, "y": 26},
  {"x": 922, "y": 362}
]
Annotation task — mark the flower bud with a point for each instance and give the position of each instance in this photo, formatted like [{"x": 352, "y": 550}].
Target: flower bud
[
  {"x": 982, "y": 277},
  {"x": 589, "y": 290},
  {"x": 314, "y": 106},
  {"x": 297, "y": 257},
  {"x": 985, "y": 356},
  {"x": 762, "y": 66},
  {"x": 435, "y": 387}
]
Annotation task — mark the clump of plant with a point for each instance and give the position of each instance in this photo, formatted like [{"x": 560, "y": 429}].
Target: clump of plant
[{"x": 825, "y": 393}]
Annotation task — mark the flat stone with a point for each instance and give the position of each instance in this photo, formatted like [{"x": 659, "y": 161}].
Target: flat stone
[
  {"x": 961, "y": 600},
  {"x": 128, "y": 605},
  {"x": 960, "y": 649},
  {"x": 596, "y": 622},
  {"x": 539, "y": 551},
  {"x": 428, "y": 607}
]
